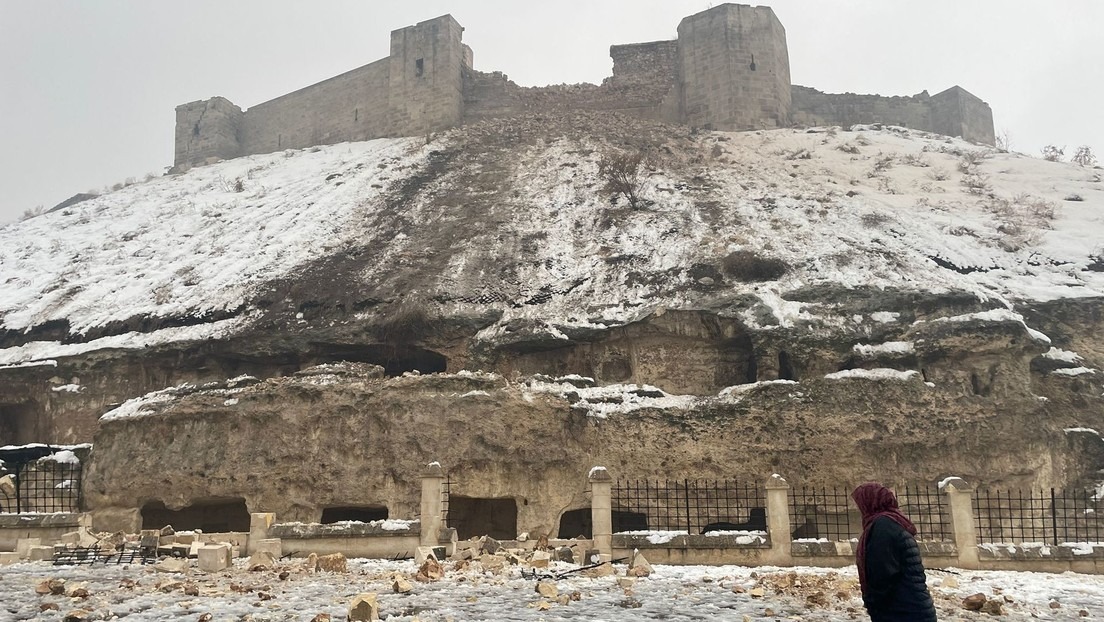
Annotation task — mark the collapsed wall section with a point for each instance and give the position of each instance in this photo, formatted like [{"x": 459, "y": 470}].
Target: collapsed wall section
[{"x": 954, "y": 112}]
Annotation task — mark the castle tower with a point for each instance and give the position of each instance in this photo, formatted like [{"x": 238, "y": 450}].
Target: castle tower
[
  {"x": 207, "y": 129},
  {"x": 734, "y": 69},
  {"x": 425, "y": 84}
]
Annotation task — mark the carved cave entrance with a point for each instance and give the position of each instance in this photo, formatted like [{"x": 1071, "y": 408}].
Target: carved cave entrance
[
  {"x": 357, "y": 513},
  {"x": 394, "y": 359},
  {"x": 207, "y": 515},
  {"x": 475, "y": 516},
  {"x": 18, "y": 424}
]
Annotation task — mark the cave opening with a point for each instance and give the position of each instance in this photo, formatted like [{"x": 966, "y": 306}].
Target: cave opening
[
  {"x": 478, "y": 516},
  {"x": 576, "y": 524},
  {"x": 395, "y": 360},
  {"x": 18, "y": 424},
  {"x": 624, "y": 520},
  {"x": 218, "y": 515},
  {"x": 354, "y": 513},
  {"x": 785, "y": 366}
]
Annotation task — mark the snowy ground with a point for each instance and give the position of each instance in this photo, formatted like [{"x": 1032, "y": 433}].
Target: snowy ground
[{"x": 671, "y": 593}]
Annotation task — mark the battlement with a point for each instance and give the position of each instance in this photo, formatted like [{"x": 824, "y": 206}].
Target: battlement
[{"x": 728, "y": 69}]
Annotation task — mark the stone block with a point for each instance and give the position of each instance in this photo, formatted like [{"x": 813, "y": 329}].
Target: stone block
[
  {"x": 214, "y": 557},
  {"x": 272, "y": 546},
  {"x": 424, "y": 552},
  {"x": 364, "y": 608},
  {"x": 40, "y": 553},
  {"x": 9, "y": 558},
  {"x": 23, "y": 546}
]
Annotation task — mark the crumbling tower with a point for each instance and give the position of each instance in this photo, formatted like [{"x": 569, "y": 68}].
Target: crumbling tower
[{"x": 734, "y": 69}]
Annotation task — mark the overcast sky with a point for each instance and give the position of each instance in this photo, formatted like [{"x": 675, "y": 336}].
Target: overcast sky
[{"x": 88, "y": 88}]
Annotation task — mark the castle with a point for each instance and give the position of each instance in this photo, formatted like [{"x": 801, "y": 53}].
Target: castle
[{"x": 728, "y": 70}]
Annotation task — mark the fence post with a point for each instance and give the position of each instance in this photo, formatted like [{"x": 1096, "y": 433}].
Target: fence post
[
  {"x": 601, "y": 511},
  {"x": 960, "y": 498},
  {"x": 433, "y": 477},
  {"x": 778, "y": 519}
]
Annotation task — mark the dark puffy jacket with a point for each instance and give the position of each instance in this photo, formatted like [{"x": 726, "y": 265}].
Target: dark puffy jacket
[{"x": 896, "y": 587}]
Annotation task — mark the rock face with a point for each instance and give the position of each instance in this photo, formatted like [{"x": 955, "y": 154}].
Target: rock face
[{"x": 831, "y": 305}]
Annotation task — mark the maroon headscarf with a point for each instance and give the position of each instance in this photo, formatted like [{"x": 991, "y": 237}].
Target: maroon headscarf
[{"x": 875, "y": 501}]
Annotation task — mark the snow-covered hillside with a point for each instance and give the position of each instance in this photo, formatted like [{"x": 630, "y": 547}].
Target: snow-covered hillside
[{"x": 527, "y": 226}]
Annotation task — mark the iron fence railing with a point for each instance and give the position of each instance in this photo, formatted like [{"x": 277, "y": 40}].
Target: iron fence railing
[
  {"x": 926, "y": 505},
  {"x": 44, "y": 486},
  {"x": 693, "y": 506},
  {"x": 825, "y": 513},
  {"x": 1046, "y": 516}
]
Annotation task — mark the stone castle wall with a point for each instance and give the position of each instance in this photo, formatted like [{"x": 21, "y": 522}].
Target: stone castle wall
[{"x": 728, "y": 70}]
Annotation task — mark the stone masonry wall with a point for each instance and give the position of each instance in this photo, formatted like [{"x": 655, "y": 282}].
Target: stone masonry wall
[
  {"x": 728, "y": 70},
  {"x": 351, "y": 106},
  {"x": 734, "y": 69},
  {"x": 954, "y": 112}
]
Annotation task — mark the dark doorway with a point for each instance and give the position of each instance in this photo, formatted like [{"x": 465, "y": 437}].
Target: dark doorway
[
  {"x": 394, "y": 359},
  {"x": 629, "y": 521},
  {"x": 17, "y": 424},
  {"x": 360, "y": 514},
  {"x": 576, "y": 524},
  {"x": 209, "y": 516},
  {"x": 785, "y": 366},
  {"x": 473, "y": 516}
]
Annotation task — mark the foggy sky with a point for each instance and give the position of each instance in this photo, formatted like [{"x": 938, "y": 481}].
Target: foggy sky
[{"x": 88, "y": 88}]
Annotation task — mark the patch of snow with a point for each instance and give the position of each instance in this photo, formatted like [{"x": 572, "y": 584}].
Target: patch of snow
[
  {"x": 1081, "y": 430},
  {"x": 476, "y": 394},
  {"x": 46, "y": 363},
  {"x": 230, "y": 402},
  {"x": 655, "y": 536},
  {"x": 67, "y": 388},
  {"x": 64, "y": 456},
  {"x": 1057, "y": 354},
  {"x": 1073, "y": 371},
  {"x": 889, "y": 347},
  {"x": 873, "y": 374},
  {"x": 885, "y": 317},
  {"x": 597, "y": 469}
]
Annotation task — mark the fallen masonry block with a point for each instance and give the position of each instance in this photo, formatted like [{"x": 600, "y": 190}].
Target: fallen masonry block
[
  {"x": 272, "y": 546},
  {"x": 424, "y": 552},
  {"x": 214, "y": 557},
  {"x": 40, "y": 553},
  {"x": 9, "y": 558},
  {"x": 23, "y": 546},
  {"x": 364, "y": 608},
  {"x": 262, "y": 560},
  {"x": 333, "y": 563}
]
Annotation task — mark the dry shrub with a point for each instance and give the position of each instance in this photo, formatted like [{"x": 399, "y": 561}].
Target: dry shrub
[
  {"x": 623, "y": 174},
  {"x": 1021, "y": 219},
  {"x": 748, "y": 267}
]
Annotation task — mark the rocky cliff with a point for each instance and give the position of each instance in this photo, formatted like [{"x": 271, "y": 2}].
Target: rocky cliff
[{"x": 937, "y": 303}]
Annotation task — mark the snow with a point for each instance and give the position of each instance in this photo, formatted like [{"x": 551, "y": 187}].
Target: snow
[
  {"x": 64, "y": 456},
  {"x": 594, "y": 470},
  {"x": 46, "y": 363},
  {"x": 615, "y": 399},
  {"x": 670, "y": 593},
  {"x": 136, "y": 407},
  {"x": 889, "y": 347},
  {"x": 105, "y": 261},
  {"x": 1073, "y": 371},
  {"x": 1057, "y": 354},
  {"x": 67, "y": 388},
  {"x": 655, "y": 537},
  {"x": 873, "y": 374},
  {"x": 1081, "y": 430},
  {"x": 996, "y": 315},
  {"x": 476, "y": 394},
  {"x": 230, "y": 402}
]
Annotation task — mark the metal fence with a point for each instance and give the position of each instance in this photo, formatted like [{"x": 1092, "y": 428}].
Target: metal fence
[
  {"x": 830, "y": 514},
  {"x": 823, "y": 513},
  {"x": 1050, "y": 517},
  {"x": 693, "y": 506},
  {"x": 41, "y": 487}
]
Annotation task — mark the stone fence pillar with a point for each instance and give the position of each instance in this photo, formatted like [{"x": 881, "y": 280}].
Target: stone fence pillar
[
  {"x": 259, "y": 524},
  {"x": 601, "y": 511},
  {"x": 433, "y": 479},
  {"x": 960, "y": 498},
  {"x": 778, "y": 519}
]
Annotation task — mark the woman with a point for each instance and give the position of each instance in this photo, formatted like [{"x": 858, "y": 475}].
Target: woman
[{"x": 891, "y": 572}]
